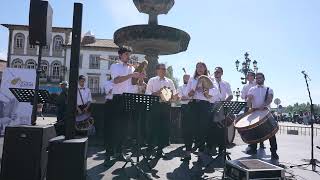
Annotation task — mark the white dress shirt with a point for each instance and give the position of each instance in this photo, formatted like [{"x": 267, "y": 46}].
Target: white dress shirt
[
  {"x": 259, "y": 94},
  {"x": 121, "y": 69},
  {"x": 108, "y": 89},
  {"x": 245, "y": 89},
  {"x": 85, "y": 94},
  {"x": 192, "y": 85},
  {"x": 181, "y": 92},
  {"x": 224, "y": 90},
  {"x": 155, "y": 84}
]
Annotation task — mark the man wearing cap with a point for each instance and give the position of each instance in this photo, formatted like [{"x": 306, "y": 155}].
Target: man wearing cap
[{"x": 121, "y": 74}]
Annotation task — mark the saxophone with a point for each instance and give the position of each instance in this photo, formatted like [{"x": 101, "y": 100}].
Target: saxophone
[{"x": 142, "y": 68}]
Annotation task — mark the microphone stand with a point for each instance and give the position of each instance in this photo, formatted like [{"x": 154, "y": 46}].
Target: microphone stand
[{"x": 313, "y": 162}]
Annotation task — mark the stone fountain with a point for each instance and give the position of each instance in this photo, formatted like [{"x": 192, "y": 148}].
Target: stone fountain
[{"x": 152, "y": 39}]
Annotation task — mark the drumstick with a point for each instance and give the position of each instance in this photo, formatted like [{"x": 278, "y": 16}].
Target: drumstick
[{"x": 184, "y": 70}]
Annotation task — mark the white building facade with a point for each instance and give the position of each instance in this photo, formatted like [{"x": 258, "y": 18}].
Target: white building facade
[{"x": 96, "y": 57}]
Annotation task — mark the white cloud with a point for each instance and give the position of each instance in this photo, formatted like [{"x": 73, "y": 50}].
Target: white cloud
[{"x": 124, "y": 12}]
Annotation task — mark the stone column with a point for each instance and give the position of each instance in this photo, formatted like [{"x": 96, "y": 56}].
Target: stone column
[{"x": 152, "y": 62}]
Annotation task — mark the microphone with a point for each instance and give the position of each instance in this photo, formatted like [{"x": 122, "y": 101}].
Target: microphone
[{"x": 305, "y": 74}]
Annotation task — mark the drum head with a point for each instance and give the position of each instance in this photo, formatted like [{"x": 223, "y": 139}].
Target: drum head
[{"x": 252, "y": 118}]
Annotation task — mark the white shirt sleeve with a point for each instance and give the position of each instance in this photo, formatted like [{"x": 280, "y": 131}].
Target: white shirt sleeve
[
  {"x": 114, "y": 72},
  {"x": 229, "y": 91},
  {"x": 270, "y": 91},
  {"x": 243, "y": 96},
  {"x": 107, "y": 87},
  {"x": 188, "y": 88},
  {"x": 149, "y": 87},
  {"x": 213, "y": 91},
  {"x": 250, "y": 92}
]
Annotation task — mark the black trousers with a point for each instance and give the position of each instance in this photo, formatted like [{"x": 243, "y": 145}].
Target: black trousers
[
  {"x": 199, "y": 114},
  {"x": 158, "y": 120},
  {"x": 108, "y": 126},
  {"x": 273, "y": 144},
  {"x": 119, "y": 123},
  {"x": 188, "y": 126},
  {"x": 216, "y": 135}
]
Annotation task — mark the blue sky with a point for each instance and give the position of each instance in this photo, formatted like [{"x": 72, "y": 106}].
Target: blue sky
[{"x": 282, "y": 35}]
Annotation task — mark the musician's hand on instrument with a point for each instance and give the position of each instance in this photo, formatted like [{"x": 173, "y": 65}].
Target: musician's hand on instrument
[
  {"x": 191, "y": 93},
  {"x": 85, "y": 110},
  {"x": 206, "y": 93},
  {"x": 136, "y": 75}
]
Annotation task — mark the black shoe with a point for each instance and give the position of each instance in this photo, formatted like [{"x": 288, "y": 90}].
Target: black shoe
[
  {"x": 186, "y": 158},
  {"x": 274, "y": 155},
  {"x": 160, "y": 154},
  {"x": 251, "y": 152}
]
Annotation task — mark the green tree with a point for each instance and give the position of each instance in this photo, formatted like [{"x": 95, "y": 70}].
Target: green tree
[
  {"x": 302, "y": 107},
  {"x": 170, "y": 76}
]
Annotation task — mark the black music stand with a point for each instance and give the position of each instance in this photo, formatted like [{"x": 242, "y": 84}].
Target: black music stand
[
  {"x": 228, "y": 107},
  {"x": 138, "y": 103},
  {"x": 26, "y": 95}
]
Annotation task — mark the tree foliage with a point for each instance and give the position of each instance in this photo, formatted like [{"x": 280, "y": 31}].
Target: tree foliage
[
  {"x": 304, "y": 107},
  {"x": 170, "y": 76}
]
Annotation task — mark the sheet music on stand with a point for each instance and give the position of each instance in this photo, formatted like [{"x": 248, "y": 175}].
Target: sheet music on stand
[
  {"x": 26, "y": 95},
  {"x": 139, "y": 101},
  {"x": 232, "y": 107}
]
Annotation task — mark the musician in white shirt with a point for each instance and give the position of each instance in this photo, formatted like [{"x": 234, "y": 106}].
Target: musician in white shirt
[
  {"x": 251, "y": 82},
  {"x": 121, "y": 74},
  {"x": 244, "y": 93},
  {"x": 199, "y": 113},
  {"x": 108, "y": 90},
  {"x": 159, "y": 115},
  {"x": 216, "y": 133},
  {"x": 259, "y": 98},
  {"x": 84, "y": 97}
]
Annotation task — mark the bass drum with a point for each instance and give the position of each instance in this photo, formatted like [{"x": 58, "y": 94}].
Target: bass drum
[
  {"x": 231, "y": 134},
  {"x": 256, "y": 126}
]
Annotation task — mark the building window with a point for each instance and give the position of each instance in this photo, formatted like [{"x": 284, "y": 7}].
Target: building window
[
  {"x": 31, "y": 64},
  {"x": 56, "y": 69},
  {"x": 113, "y": 59},
  {"x": 94, "y": 62},
  {"x": 19, "y": 41},
  {"x": 93, "y": 84},
  {"x": 44, "y": 68},
  {"x": 17, "y": 63},
  {"x": 57, "y": 43}
]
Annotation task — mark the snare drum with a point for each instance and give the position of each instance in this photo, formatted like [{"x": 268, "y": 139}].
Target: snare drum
[{"x": 256, "y": 126}]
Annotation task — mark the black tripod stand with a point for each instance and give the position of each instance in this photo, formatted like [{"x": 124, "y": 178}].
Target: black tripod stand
[
  {"x": 313, "y": 162},
  {"x": 138, "y": 103}
]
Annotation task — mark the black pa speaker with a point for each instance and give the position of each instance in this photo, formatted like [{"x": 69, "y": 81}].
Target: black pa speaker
[
  {"x": 67, "y": 159},
  {"x": 25, "y": 153},
  {"x": 40, "y": 23}
]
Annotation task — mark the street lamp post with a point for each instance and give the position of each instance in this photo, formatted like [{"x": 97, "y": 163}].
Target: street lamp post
[
  {"x": 237, "y": 93},
  {"x": 246, "y": 67}
]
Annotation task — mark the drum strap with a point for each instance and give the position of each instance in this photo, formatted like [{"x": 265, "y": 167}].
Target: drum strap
[
  {"x": 266, "y": 96},
  {"x": 81, "y": 97}
]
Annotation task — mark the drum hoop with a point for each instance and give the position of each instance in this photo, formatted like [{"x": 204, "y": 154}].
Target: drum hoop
[
  {"x": 234, "y": 135},
  {"x": 263, "y": 120},
  {"x": 263, "y": 138}
]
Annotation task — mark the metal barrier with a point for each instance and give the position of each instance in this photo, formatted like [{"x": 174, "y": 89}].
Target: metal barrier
[{"x": 298, "y": 130}]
